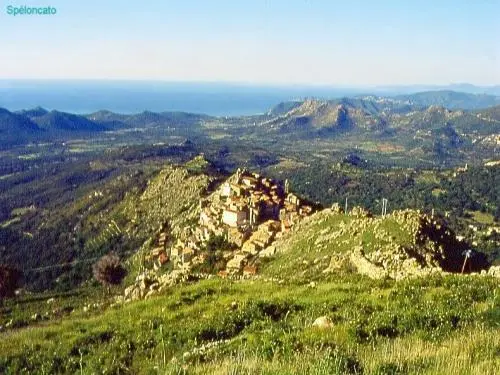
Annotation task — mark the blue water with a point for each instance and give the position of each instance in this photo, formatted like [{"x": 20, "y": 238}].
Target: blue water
[{"x": 215, "y": 99}]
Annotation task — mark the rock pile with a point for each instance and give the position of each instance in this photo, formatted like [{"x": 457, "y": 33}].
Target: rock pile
[{"x": 150, "y": 283}]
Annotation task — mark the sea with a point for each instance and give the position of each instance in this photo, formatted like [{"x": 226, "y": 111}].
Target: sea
[
  {"x": 211, "y": 98},
  {"x": 216, "y": 99}
]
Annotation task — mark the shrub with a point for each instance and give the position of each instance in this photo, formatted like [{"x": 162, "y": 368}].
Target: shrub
[
  {"x": 9, "y": 281},
  {"x": 108, "y": 270}
]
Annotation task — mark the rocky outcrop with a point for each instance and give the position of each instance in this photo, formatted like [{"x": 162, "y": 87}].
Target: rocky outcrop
[
  {"x": 406, "y": 243},
  {"x": 150, "y": 283}
]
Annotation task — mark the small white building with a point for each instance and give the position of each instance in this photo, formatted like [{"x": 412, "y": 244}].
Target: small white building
[
  {"x": 226, "y": 190},
  {"x": 234, "y": 218}
]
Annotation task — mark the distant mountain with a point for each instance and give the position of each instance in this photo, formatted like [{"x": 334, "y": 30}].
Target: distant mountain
[
  {"x": 15, "y": 122},
  {"x": 16, "y": 128},
  {"x": 323, "y": 116},
  {"x": 472, "y": 89},
  {"x": 425, "y": 110},
  {"x": 27, "y": 125},
  {"x": 145, "y": 119},
  {"x": 283, "y": 108},
  {"x": 35, "y": 112},
  {"x": 38, "y": 124},
  {"x": 62, "y": 121},
  {"x": 450, "y": 99},
  {"x": 105, "y": 115},
  {"x": 426, "y": 115},
  {"x": 412, "y": 89},
  {"x": 108, "y": 119},
  {"x": 433, "y": 129}
]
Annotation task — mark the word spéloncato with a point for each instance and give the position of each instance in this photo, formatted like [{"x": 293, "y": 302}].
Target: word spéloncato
[{"x": 31, "y": 11}]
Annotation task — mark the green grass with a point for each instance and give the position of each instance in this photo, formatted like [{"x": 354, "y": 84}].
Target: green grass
[
  {"x": 428, "y": 177},
  {"x": 307, "y": 251},
  {"x": 482, "y": 217},
  {"x": 260, "y": 327}
]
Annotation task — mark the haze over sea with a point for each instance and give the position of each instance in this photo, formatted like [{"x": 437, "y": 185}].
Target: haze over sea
[{"x": 217, "y": 99}]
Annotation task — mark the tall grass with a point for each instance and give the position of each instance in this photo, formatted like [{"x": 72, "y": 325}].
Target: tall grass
[{"x": 426, "y": 326}]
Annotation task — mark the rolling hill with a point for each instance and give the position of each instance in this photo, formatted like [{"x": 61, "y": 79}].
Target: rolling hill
[
  {"x": 17, "y": 129},
  {"x": 61, "y": 121},
  {"x": 34, "y": 112},
  {"x": 146, "y": 119}
]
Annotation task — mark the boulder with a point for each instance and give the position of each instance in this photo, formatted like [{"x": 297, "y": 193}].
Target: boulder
[{"x": 323, "y": 322}]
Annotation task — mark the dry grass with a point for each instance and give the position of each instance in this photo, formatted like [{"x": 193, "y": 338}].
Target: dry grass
[{"x": 471, "y": 352}]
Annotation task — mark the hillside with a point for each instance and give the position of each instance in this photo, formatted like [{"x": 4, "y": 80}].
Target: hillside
[
  {"x": 450, "y": 99},
  {"x": 59, "y": 121},
  {"x": 129, "y": 210},
  {"x": 372, "y": 115},
  {"x": 83, "y": 210},
  {"x": 402, "y": 244},
  {"x": 250, "y": 227},
  {"x": 350, "y": 325},
  {"x": 316, "y": 116},
  {"x": 17, "y": 129}
]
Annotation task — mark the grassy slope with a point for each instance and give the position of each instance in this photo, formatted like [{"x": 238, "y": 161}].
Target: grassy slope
[
  {"x": 378, "y": 327},
  {"x": 170, "y": 196},
  {"x": 304, "y": 253}
]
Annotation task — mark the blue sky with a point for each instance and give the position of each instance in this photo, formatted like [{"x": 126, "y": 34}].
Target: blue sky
[{"x": 325, "y": 42}]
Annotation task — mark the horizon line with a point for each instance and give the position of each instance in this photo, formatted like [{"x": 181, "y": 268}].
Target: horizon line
[{"x": 251, "y": 84}]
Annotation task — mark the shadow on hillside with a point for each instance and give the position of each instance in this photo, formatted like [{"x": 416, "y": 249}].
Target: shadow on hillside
[{"x": 453, "y": 255}]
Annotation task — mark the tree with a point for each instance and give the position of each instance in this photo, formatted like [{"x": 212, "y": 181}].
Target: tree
[
  {"x": 9, "y": 281},
  {"x": 108, "y": 270}
]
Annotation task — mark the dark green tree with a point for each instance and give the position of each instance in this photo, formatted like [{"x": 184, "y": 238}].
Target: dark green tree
[
  {"x": 9, "y": 281},
  {"x": 108, "y": 270}
]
